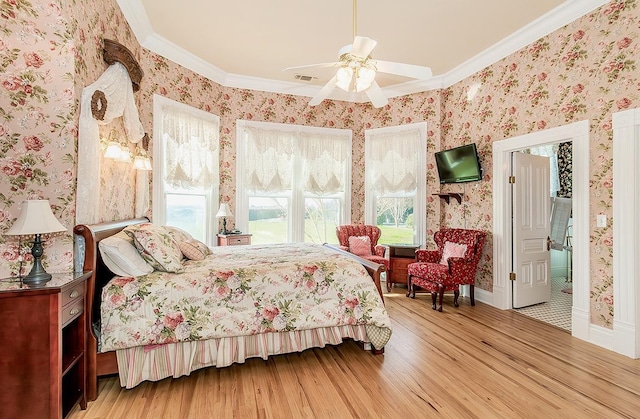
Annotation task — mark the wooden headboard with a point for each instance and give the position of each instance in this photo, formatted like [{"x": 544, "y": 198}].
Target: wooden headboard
[{"x": 98, "y": 364}]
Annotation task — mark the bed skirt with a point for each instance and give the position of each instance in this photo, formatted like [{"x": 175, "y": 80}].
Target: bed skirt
[{"x": 155, "y": 362}]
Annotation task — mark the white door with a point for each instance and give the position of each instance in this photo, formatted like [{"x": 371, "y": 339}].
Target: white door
[{"x": 531, "y": 229}]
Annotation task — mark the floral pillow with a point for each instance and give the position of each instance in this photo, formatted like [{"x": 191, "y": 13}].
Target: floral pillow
[
  {"x": 452, "y": 250},
  {"x": 193, "y": 249},
  {"x": 156, "y": 246},
  {"x": 360, "y": 245},
  {"x": 178, "y": 234}
]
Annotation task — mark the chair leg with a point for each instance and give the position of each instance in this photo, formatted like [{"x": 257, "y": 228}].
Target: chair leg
[
  {"x": 456, "y": 294},
  {"x": 471, "y": 295},
  {"x": 410, "y": 288},
  {"x": 433, "y": 299},
  {"x": 440, "y": 297}
]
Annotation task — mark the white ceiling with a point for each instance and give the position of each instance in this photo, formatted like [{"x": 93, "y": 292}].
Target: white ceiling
[{"x": 247, "y": 44}]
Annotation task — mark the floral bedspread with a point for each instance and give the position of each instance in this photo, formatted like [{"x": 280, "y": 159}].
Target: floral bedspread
[{"x": 242, "y": 290}]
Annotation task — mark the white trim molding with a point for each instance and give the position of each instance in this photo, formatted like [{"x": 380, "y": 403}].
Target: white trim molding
[
  {"x": 626, "y": 232},
  {"x": 565, "y": 13},
  {"x": 578, "y": 134}
]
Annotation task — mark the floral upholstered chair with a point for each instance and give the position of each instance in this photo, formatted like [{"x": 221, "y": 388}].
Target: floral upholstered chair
[
  {"x": 454, "y": 263},
  {"x": 362, "y": 240}
]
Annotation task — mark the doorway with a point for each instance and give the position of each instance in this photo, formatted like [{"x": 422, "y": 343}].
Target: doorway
[
  {"x": 578, "y": 134},
  {"x": 550, "y": 301}
]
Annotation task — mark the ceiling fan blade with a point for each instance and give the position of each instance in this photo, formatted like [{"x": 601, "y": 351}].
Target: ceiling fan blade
[
  {"x": 311, "y": 66},
  {"x": 406, "y": 70},
  {"x": 324, "y": 92},
  {"x": 376, "y": 96},
  {"x": 362, "y": 46}
]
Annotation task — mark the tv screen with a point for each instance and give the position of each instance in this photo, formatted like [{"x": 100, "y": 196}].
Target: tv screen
[{"x": 460, "y": 164}]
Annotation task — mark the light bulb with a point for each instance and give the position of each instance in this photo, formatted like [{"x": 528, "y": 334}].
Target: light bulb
[
  {"x": 364, "y": 79},
  {"x": 344, "y": 76}
]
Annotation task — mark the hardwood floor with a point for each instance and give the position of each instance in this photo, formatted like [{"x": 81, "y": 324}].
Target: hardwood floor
[{"x": 464, "y": 362}]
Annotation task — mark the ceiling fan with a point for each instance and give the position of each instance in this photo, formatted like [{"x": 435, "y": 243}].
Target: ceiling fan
[{"x": 356, "y": 70}]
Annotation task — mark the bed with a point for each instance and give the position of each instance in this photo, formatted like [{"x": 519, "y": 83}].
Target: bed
[{"x": 236, "y": 303}]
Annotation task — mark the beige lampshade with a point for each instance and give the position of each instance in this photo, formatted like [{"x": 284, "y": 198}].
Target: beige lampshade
[
  {"x": 35, "y": 217},
  {"x": 224, "y": 211}
]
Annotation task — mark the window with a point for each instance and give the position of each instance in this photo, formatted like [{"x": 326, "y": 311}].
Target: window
[
  {"x": 395, "y": 182},
  {"x": 294, "y": 182},
  {"x": 185, "y": 173}
]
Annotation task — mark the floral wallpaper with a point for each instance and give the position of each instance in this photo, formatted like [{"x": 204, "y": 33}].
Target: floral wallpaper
[
  {"x": 37, "y": 127},
  {"x": 51, "y": 50},
  {"x": 585, "y": 70}
]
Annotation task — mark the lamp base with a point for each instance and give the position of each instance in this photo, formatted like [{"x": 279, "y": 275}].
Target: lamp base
[
  {"x": 37, "y": 276},
  {"x": 224, "y": 226}
]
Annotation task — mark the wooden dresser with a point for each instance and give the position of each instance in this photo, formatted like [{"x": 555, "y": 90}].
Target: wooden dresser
[
  {"x": 233, "y": 239},
  {"x": 42, "y": 347}
]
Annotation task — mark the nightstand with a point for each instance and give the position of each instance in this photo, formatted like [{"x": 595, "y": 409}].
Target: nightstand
[
  {"x": 42, "y": 355},
  {"x": 233, "y": 239},
  {"x": 400, "y": 256}
]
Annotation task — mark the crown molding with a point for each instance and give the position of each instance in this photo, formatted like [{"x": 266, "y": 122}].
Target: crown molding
[
  {"x": 544, "y": 25},
  {"x": 564, "y": 14}
]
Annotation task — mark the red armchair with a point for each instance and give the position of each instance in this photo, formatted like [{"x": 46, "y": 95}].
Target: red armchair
[
  {"x": 437, "y": 273},
  {"x": 374, "y": 252}
]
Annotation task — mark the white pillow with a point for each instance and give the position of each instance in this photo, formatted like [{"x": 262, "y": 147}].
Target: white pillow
[{"x": 121, "y": 256}]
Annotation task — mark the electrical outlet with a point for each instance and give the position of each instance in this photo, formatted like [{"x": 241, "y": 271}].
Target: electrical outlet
[{"x": 601, "y": 220}]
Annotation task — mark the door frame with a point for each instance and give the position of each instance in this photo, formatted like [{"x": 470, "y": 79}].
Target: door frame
[
  {"x": 578, "y": 134},
  {"x": 626, "y": 232}
]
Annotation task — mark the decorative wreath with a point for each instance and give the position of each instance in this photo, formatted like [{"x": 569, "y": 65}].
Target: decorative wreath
[{"x": 98, "y": 105}]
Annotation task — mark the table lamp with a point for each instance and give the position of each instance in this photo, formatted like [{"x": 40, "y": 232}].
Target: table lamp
[
  {"x": 223, "y": 213},
  {"x": 36, "y": 218}
]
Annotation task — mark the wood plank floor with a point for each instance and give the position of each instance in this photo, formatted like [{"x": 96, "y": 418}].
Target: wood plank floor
[{"x": 465, "y": 362}]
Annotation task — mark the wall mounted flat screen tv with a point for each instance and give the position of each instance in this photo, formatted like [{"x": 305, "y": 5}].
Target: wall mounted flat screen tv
[{"x": 460, "y": 164}]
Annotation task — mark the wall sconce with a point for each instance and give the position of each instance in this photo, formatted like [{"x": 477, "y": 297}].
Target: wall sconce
[
  {"x": 115, "y": 150},
  {"x": 141, "y": 161},
  {"x": 36, "y": 218}
]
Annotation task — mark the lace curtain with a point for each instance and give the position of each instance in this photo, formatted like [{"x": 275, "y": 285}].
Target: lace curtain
[
  {"x": 271, "y": 163},
  {"x": 269, "y": 160},
  {"x": 394, "y": 161},
  {"x": 116, "y": 86},
  {"x": 325, "y": 158},
  {"x": 190, "y": 146}
]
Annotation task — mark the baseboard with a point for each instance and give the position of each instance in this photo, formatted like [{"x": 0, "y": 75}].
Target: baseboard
[
  {"x": 483, "y": 296},
  {"x": 601, "y": 336},
  {"x": 624, "y": 339}
]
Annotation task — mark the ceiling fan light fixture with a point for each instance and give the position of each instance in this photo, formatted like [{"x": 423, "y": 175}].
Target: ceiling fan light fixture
[
  {"x": 356, "y": 70},
  {"x": 364, "y": 78},
  {"x": 344, "y": 77}
]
